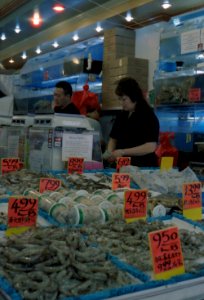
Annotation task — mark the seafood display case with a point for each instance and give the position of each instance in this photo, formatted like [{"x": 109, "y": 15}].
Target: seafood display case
[{"x": 47, "y": 136}]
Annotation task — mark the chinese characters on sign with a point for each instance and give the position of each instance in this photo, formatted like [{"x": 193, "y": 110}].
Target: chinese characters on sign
[
  {"x": 120, "y": 180},
  {"x": 49, "y": 184},
  {"x": 75, "y": 165},
  {"x": 135, "y": 204},
  {"x": 192, "y": 200},
  {"x": 166, "y": 253},
  {"x": 22, "y": 211},
  {"x": 9, "y": 164}
]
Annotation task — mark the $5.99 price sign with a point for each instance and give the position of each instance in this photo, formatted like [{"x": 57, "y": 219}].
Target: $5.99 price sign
[
  {"x": 9, "y": 164},
  {"x": 135, "y": 205},
  {"x": 120, "y": 180},
  {"x": 49, "y": 184},
  {"x": 166, "y": 253},
  {"x": 122, "y": 161},
  {"x": 192, "y": 200},
  {"x": 22, "y": 211},
  {"x": 75, "y": 165}
]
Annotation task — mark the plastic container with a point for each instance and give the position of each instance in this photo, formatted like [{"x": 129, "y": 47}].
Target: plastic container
[
  {"x": 83, "y": 200},
  {"x": 31, "y": 192},
  {"x": 56, "y": 211},
  {"x": 46, "y": 203},
  {"x": 114, "y": 212},
  {"x": 114, "y": 198},
  {"x": 96, "y": 199},
  {"x": 72, "y": 215},
  {"x": 56, "y": 196},
  {"x": 66, "y": 201},
  {"x": 91, "y": 214},
  {"x": 102, "y": 192},
  {"x": 63, "y": 191},
  {"x": 82, "y": 193}
]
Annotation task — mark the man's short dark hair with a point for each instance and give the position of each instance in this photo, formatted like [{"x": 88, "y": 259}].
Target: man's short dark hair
[{"x": 66, "y": 86}]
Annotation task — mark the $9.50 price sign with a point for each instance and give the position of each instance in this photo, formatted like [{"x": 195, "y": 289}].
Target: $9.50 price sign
[
  {"x": 192, "y": 200},
  {"x": 135, "y": 206},
  {"x": 49, "y": 184},
  {"x": 122, "y": 161},
  {"x": 9, "y": 164},
  {"x": 166, "y": 253},
  {"x": 120, "y": 180},
  {"x": 22, "y": 211},
  {"x": 75, "y": 165}
]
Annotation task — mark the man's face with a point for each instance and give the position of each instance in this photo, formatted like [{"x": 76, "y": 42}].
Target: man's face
[{"x": 60, "y": 99}]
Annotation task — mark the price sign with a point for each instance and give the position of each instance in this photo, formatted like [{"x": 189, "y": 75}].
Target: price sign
[
  {"x": 194, "y": 95},
  {"x": 166, "y": 253},
  {"x": 135, "y": 206},
  {"x": 166, "y": 163},
  {"x": 9, "y": 164},
  {"x": 49, "y": 184},
  {"x": 122, "y": 161},
  {"x": 120, "y": 180},
  {"x": 22, "y": 211},
  {"x": 75, "y": 165},
  {"x": 192, "y": 200}
]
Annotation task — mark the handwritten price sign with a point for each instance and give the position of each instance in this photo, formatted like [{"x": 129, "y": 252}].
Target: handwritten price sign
[
  {"x": 192, "y": 200},
  {"x": 22, "y": 211},
  {"x": 135, "y": 205},
  {"x": 166, "y": 252},
  {"x": 49, "y": 184},
  {"x": 122, "y": 161},
  {"x": 120, "y": 180},
  {"x": 75, "y": 165},
  {"x": 194, "y": 95},
  {"x": 9, "y": 164}
]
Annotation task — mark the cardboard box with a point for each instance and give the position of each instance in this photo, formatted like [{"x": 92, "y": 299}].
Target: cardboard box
[{"x": 119, "y": 31}]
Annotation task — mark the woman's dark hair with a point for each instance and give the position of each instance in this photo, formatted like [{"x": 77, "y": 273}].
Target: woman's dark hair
[
  {"x": 66, "y": 86},
  {"x": 128, "y": 86}
]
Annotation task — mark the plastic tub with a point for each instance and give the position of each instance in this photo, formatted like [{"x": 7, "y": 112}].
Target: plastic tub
[
  {"x": 55, "y": 196},
  {"x": 46, "y": 203},
  {"x": 56, "y": 211},
  {"x": 96, "y": 199},
  {"x": 114, "y": 198},
  {"x": 72, "y": 216},
  {"x": 91, "y": 214}
]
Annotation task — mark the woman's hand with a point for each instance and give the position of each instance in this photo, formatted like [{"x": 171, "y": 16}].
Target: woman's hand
[{"x": 117, "y": 153}]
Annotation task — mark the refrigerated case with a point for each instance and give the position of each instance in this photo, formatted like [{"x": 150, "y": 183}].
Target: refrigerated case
[{"x": 45, "y": 141}]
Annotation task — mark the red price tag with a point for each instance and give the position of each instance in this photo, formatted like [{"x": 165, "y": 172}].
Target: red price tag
[
  {"x": 135, "y": 204},
  {"x": 194, "y": 95},
  {"x": 120, "y": 180},
  {"x": 166, "y": 253},
  {"x": 192, "y": 195},
  {"x": 122, "y": 161},
  {"x": 22, "y": 211},
  {"x": 75, "y": 165},
  {"x": 49, "y": 184},
  {"x": 9, "y": 164}
]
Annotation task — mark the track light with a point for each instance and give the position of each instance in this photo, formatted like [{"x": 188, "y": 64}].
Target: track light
[
  {"x": 11, "y": 60},
  {"x": 55, "y": 44},
  {"x": 75, "y": 37},
  {"x": 24, "y": 56},
  {"x": 3, "y": 37},
  {"x": 58, "y": 7},
  {"x": 38, "y": 50},
  {"x": 128, "y": 17},
  {"x": 99, "y": 28},
  {"x": 17, "y": 28},
  {"x": 166, "y": 4}
]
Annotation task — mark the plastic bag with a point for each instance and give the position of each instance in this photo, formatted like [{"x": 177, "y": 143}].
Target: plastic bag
[
  {"x": 85, "y": 100},
  {"x": 165, "y": 148}
]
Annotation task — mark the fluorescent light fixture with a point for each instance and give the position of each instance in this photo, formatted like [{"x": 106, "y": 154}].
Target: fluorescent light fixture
[
  {"x": 24, "y": 56},
  {"x": 75, "y": 37},
  {"x": 11, "y": 60},
  {"x": 128, "y": 17},
  {"x": 38, "y": 50},
  {"x": 166, "y": 4},
  {"x": 58, "y": 7},
  {"x": 55, "y": 44},
  {"x": 17, "y": 28},
  {"x": 3, "y": 36},
  {"x": 99, "y": 28}
]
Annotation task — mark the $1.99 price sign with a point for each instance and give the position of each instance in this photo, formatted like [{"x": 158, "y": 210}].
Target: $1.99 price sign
[
  {"x": 135, "y": 206},
  {"x": 22, "y": 211},
  {"x": 122, "y": 161},
  {"x": 9, "y": 164},
  {"x": 166, "y": 253},
  {"x": 75, "y": 165},
  {"x": 120, "y": 180},
  {"x": 49, "y": 184},
  {"x": 192, "y": 200}
]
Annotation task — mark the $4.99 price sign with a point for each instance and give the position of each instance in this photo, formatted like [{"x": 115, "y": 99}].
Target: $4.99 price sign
[
  {"x": 135, "y": 205},
  {"x": 22, "y": 211},
  {"x": 49, "y": 184},
  {"x": 122, "y": 161},
  {"x": 9, "y": 164},
  {"x": 120, "y": 180},
  {"x": 166, "y": 253},
  {"x": 192, "y": 200},
  {"x": 75, "y": 165}
]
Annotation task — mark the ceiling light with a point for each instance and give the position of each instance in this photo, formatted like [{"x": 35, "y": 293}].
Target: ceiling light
[
  {"x": 58, "y": 7},
  {"x": 24, "y": 56},
  {"x": 55, "y": 44},
  {"x": 176, "y": 21},
  {"x": 75, "y": 37},
  {"x": 11, "y": 60},
  {"x": 36, "y": 20},
  {"x": 166, "y": 4},
  {"x": 17, "y": 28},
  {"x": 3, "y": 37},
  {"x": 99, "y": 28},
  {"x": 38, "y": 50},
  {"x": 76, "y": 61},
  {"x": 128, "y": 17}
]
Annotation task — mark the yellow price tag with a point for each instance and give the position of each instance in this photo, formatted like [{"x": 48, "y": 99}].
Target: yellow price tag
[
  {"x": 16, "y": 230},
  {"x": 166, "y": 163}
]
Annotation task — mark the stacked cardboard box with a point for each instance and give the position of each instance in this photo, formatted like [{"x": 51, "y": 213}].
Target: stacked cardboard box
[{"x": 119, "y": 61}]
